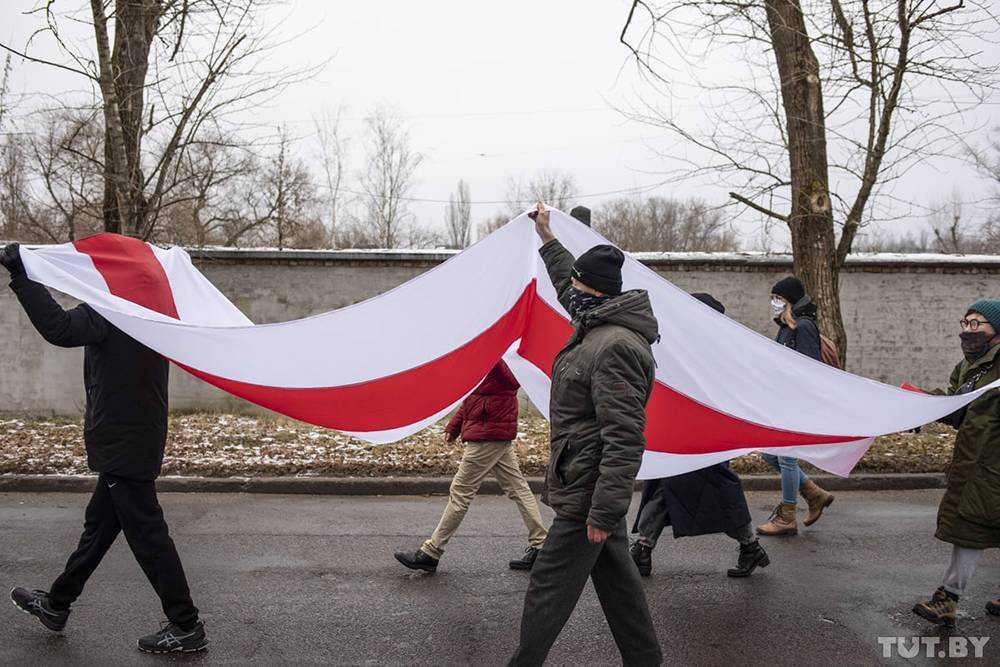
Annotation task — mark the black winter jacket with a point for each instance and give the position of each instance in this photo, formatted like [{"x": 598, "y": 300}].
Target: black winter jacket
[
  {"x": 125, "y": 424},
  {"x": 804, "y": 337}
]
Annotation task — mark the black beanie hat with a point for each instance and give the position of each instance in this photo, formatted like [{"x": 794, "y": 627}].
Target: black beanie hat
[
  {"x": 600, "y": 268},
  {"x": 710, "y": 301},
  {"x": 790, "y": 288},
  {"x": 581, "y": 213}
]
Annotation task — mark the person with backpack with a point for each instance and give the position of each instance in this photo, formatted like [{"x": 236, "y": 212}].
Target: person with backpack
[
  {"x": 795, "y": 314},
  {"x": 487, "y": 423},
  {"x": 969, "y": 515},
  {"x": 702, "y": 502}
]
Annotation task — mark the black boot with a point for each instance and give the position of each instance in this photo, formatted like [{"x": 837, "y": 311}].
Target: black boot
[
  {"x": 526, "y": 561},
  {"x": 37, "y": 604},
  {"x": 172, "y": 639},
  {"x": 752, "y": 556},
  {"x": 417, "y": 560},
  {"x": 643, "y": 557}
]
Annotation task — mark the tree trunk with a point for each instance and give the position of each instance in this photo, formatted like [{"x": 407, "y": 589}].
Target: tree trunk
[
  {"x": 123, "y": 86},
  {"x": 810, "y": 219}
]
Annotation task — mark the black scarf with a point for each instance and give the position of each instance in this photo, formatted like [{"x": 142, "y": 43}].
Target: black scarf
[{"x": 581, "y": 302}]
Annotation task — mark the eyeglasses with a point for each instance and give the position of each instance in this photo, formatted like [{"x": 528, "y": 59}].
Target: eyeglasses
[{"x": 972, "y": 325}]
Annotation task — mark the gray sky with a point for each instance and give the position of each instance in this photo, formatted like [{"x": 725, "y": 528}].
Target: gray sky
[{"x": 495, "y": 90}]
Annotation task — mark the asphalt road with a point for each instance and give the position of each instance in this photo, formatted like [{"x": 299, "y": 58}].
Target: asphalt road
[{"x": 311, "y": 580}]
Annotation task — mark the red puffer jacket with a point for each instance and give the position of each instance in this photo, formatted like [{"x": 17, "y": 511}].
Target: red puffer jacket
[{"x": 490, "y": 411}]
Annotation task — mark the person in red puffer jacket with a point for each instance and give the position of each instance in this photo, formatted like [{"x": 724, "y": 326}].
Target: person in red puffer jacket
[{"x": 487, "y": 423}]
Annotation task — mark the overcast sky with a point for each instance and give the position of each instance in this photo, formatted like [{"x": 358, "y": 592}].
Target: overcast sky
[{"x": 495, "y": 90}]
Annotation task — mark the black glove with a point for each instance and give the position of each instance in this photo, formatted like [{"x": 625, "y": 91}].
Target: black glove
[{"x": 11, "y": 258}]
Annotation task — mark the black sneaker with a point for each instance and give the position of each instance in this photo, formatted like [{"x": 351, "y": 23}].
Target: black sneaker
[
  {"x": 172, "y": 639},
  {"x": 526, "y": 561},
  {"x": 417, "y": 560},
  {"x": 752, "y": 556},
  {"x": 36, "y": 603},
  {"x": 643, "y": 557}
]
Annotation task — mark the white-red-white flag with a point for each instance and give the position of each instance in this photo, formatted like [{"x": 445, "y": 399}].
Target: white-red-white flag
[{"x": 390, "y": 366}]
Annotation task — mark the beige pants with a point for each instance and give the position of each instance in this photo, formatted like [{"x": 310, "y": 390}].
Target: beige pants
[{"x": 479, "y": 459}]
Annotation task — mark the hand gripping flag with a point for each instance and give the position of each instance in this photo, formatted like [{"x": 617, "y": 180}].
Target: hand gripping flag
[{"x": 389, "y": 366}]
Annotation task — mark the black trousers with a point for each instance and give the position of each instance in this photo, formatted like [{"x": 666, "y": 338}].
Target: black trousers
[
  {"x": 128, "y": 506},
  {"x": 557, "y": 581}
]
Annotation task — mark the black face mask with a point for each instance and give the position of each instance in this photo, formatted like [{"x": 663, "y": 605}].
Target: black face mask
[
  {"x": 975, "y": 344},
  {"x": 581, "y": 302}
]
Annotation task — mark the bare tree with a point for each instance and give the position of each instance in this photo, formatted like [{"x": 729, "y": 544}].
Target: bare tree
[
  {"x": 823, "y": 91},
  {"x": 386, "y": 181},
  {"x": 554, "y": 187},
  {"x": 51, "y": 182},
  {"x": 658, "y": 224},
  {"x": 491, "y": 224},
  {"x": 332, "y": 152},
  {"x": 458, "y": 217},
  {"x": 166, "y": 69}
]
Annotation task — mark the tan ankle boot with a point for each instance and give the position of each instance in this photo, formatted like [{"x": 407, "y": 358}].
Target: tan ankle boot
[
  {"x": 818, "y": 500},
  {"x": 782, "y": 522}
]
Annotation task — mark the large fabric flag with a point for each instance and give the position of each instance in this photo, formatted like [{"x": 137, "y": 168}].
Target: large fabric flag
[{"x": 394, "y": 364}]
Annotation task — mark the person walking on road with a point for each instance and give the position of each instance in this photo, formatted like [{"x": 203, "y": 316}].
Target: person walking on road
[
  {"x": 487, "y": 423},
  {"x": 969, "y": 515},
  {"x": 601, "y": 382},
  {"x": 125, "y": 431},
  {"x": 710, "y": 500},
  {"x": 795, "y": 314}
]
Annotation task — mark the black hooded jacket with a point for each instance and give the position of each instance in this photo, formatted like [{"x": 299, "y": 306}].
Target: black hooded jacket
[
  {"x": 804, "y": 337},
  {"x": 125, "y": 424}
]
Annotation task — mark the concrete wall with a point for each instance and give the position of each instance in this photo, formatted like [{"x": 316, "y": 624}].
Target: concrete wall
[{"x": 901, "y": 312}]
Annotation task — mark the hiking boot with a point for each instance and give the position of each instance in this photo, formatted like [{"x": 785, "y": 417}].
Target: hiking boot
[
  {"x": 526, "y": 561},
  {"x": 417, "y": 560},
  {"x": 940, "y": 609},
  {"x": 781, "y": 522},
  {"x": 818, "y": 500},
  {"x": 643, "y": 557},
  {"x": 993, "y": 607},
  {"x": 37, "y": 604},
  {"x": 172, "y": 639},
  {"x": 752, "y": 556}
]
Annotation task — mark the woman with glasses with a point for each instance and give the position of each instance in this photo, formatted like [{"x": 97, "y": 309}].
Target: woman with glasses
[
  {"x": 969, "y": 515},
  {"x": 795, "y": 314}
]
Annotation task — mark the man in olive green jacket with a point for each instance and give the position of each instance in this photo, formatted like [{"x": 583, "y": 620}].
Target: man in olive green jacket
[
  {"x": 601, "y": 382},
  {"x": 969, "y": 515}
]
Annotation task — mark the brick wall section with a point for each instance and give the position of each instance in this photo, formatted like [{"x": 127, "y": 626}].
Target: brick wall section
[{"x": 901, "y": 312}]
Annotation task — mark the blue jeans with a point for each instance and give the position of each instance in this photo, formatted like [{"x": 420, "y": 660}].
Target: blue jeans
[{"x": 792, "y": 476}]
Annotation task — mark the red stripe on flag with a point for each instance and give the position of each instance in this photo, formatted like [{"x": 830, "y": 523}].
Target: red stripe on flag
[
  {"x": 131, "y": 270},
  {"x": 396, "y": 400},
  {"x": 675, "y": 423}
]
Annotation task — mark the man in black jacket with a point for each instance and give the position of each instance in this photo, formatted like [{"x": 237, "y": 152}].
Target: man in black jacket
[
  {"x": 601, "y": 382},
  {"x": 125, "y": 430}
]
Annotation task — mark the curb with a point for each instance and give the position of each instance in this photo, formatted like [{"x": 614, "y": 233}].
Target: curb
[{"x": 420, "y": 486}]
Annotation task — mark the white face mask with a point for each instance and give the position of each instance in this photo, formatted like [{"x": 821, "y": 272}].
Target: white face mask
[{"x": 777, "y": 307}]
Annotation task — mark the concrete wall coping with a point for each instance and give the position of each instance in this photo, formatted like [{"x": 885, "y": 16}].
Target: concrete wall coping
[{"x": 721, "y": 259}]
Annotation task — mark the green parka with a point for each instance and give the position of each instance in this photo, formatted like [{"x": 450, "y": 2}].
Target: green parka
[
  {"x": 969, "y": 515},
  {"x": 601, "y": 382}
]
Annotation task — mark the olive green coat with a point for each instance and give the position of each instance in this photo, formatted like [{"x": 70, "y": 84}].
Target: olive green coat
[
  {"x": 969, "y": 515},
  {"x": 601, "y": 382}
]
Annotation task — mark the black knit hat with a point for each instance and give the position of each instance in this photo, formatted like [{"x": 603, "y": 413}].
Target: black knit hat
[
  {"x": 600, "y": 268},
  {"x": 581, "y": 213},
  {"x": 790, "y": 288},
  {"x": 710, "y": 301}
]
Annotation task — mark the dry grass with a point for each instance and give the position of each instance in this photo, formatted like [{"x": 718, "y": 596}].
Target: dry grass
[{"x": 223, "y": 445}]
